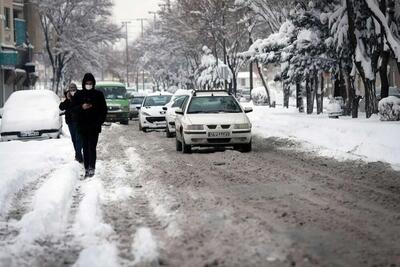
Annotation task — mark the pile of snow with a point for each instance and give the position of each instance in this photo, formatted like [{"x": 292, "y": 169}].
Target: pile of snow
[
  {"x": 28, "y": 110},
  {"x": 25, "y": 162},
  {"x": 144, "y": 247},
  {"x": 389, "y": 109},
  {"x": 346, "y": 138},
  {"x": 88, "y": 223},
  {"x": 51, "y": 204},
  {"x": 259, "y": 95}
]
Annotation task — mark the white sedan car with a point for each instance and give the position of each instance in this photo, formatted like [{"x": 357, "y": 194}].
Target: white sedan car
[
  {"x": 31, "y": 114},
  {"x": 177, "y": 100},
  {"x": 212, "y": 118},
  {"x": 151, "y": 113}
]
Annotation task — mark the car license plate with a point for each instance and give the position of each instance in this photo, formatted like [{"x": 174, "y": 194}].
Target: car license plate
[
  {"x": 29, "y": 134},
  {"x": 219, "y": 134}
]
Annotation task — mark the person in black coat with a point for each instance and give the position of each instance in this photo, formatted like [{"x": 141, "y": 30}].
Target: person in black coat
[
  {"x": 70, "y": 119},
  {"x": 91, "y": 110}
]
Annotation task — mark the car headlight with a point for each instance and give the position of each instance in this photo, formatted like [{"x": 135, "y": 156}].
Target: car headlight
[
  {"x": 195, "y": 127},
  {"x": 145, "y": 114},
  {"x": 242, "y": 126}
]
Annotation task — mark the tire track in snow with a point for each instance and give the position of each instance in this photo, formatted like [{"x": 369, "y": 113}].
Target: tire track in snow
[
  {"x": 90, "y": 231},
  {"x": 41, "y": 231},
  {"x": 126, "y": 207}
]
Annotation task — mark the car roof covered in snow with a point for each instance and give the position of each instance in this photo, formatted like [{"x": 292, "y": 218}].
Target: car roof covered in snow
[{"x": 211, "y": 93}]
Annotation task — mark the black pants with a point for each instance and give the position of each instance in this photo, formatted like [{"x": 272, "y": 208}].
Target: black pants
[{"x": 89, "y": 144}]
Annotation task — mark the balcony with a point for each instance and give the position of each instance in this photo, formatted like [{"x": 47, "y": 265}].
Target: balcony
[{"x": 8, "y": 58}]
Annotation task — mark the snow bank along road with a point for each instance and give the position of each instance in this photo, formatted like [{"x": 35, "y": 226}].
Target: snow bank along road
[{"x": 151, "y": 206}]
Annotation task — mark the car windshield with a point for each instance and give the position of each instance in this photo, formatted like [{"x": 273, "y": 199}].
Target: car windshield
[
  {"x": 113, "y": 92},
  {"x": 159, "y": 100},
  {"x": 137, "y": 100},
  {"x": 213, "y": 104},
  {"x": 179, "y": 101}
]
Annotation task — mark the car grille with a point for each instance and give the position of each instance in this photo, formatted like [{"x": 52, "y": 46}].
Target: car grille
[
  {"x": 218, "y": 140},
  {"x": 154, "y": 119},
  {"x": 213, "y": 127}
]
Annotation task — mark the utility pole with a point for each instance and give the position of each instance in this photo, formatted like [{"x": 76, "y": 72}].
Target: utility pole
[
  {"x": 155, "y": 18},
  {"x": 125, "y": 23},
  {"x": 251, "y": 63},
  {"x": 142, "y": 24}
]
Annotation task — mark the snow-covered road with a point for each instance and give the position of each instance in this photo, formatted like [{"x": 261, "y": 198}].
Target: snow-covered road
[
  {"x": 52, "y": 217},
  {"x": 149, "y": 206}
]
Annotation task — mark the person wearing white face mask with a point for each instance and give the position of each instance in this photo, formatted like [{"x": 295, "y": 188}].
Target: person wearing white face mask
[
  {"x": 91, "y": 109},
  {"x": 71, "y": 120}
]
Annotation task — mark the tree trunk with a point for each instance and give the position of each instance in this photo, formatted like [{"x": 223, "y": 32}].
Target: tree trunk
[
  {"x": 383, "y": 73},
  {"x": 309, "y": 96},
  {"x": 320, "y": 95},
  {"x": 315, "y": 87},
  {"x": 350, "y": 93},
  {"x": 264, "y": 83},
  {"x": 286, "y": 94},
  {"x": 353, "y": 45},
  {"x": 299, "y": 97}
]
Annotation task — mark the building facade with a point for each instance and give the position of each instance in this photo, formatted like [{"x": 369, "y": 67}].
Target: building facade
[{"x": 19, "y": 26}]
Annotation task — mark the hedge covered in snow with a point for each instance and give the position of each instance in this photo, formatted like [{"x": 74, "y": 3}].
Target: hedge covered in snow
[{"x": 389, "y": 109}]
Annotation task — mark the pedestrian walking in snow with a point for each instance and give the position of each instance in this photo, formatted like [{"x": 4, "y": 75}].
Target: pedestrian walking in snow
[
  {"x": 71, "y": 120},
  {"x": 91, "y": 110}
]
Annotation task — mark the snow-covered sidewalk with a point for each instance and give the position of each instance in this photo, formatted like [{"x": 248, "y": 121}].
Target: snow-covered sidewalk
[{"x": 344, "y": 138}]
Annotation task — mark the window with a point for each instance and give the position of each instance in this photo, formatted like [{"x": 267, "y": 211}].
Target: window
[
  {"x": 137, "y": 100},
  {"x": 113, "y": 92},
  {"x": 214, "y": 104},
  {"x": 179, "y": 101},
  {"x": 7, "y": 17},
  {"x": 159, "y": 100}
]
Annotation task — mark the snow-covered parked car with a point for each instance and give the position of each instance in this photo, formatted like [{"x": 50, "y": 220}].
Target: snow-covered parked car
[
  {"x": 389, "y": 109},
  {"x": 212, "y": 118},
  {"x": 31, "y": 114},
  {"x": 151, "y": 113},
  {"x": 335, "y": 107},
  {"x": 176, "y": 102}
]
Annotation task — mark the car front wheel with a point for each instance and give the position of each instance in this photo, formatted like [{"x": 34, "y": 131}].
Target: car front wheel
[
  {"x": 247, "y": 147},
  {"x": 168, "y": 133},
  {"x": 178, "y": 145},
  {"x": 186, "y": 149}
]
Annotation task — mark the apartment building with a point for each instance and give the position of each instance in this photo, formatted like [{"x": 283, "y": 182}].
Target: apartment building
[{"x": 20, "y": 39}]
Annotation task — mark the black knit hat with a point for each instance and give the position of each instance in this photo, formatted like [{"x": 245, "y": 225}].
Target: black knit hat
[{"x": 88, "y": 77}]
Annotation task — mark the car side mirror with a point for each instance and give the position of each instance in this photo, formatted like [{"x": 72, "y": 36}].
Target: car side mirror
[
  {"x": 138, "y": 107},
  {"x": 165, "y": 108},
  {"x": 179, "y": 111},
  {"x": 248, "y": 109}
]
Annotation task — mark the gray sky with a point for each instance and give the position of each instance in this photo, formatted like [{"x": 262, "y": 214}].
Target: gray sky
[{"x": 133, "y": 9}]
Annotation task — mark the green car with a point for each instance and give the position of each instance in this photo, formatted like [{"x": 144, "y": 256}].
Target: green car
[{"x": 117, "y": 101}]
